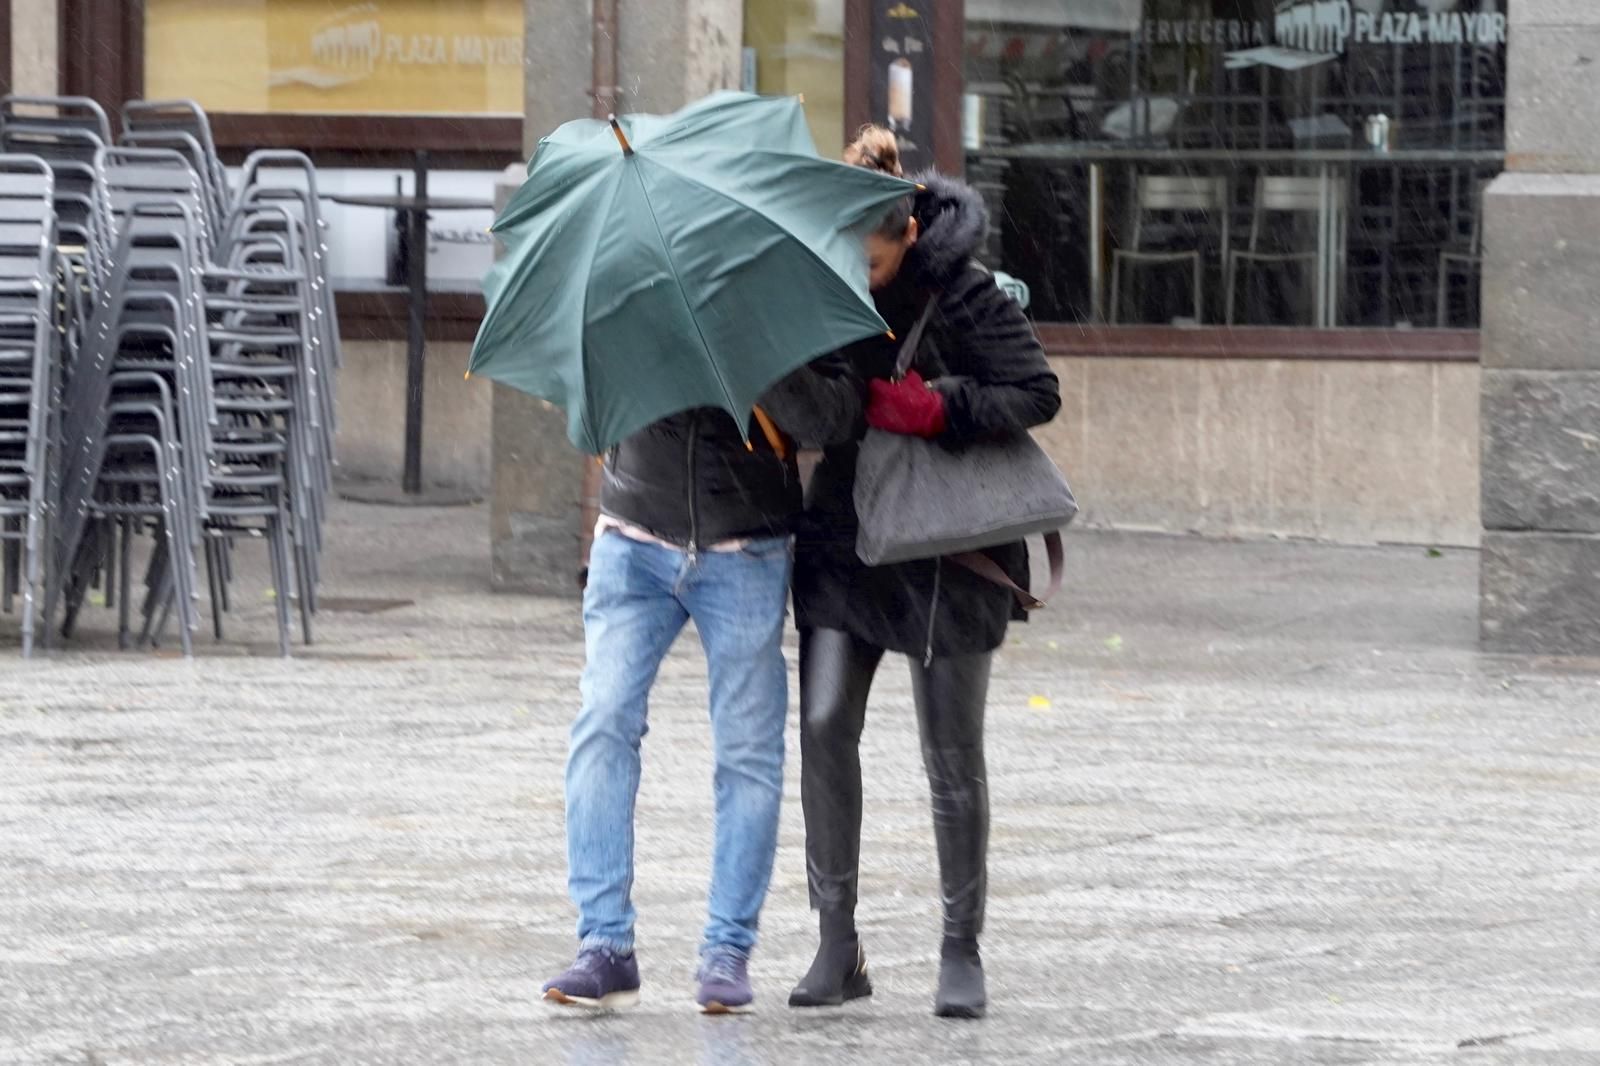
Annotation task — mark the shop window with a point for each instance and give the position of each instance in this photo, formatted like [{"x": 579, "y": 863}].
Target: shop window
[{"x": 1269, "y": 162}]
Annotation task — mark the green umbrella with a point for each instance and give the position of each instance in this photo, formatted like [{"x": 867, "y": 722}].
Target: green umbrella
[{"x": 659, "y": 263}]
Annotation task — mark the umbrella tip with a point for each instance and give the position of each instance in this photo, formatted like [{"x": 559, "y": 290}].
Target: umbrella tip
[
  {"x": 890, "y": 334},
  {"x": 467, "y": 376},
  {"x": 622, "y": 138},
  {"x": 801, "y": 97}
]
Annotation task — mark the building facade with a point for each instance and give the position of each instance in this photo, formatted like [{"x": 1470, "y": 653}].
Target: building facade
[{"x": 1250, "y": 230}]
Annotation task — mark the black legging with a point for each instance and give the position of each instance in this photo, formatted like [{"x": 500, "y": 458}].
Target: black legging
[{"x": 836, "y": 671}]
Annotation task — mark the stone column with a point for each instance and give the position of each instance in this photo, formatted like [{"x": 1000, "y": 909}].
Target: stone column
[
  {"x": 1540, "y": 569},
  {"x": 35, "y": 70},
  {"x": 669, "y": 53}
]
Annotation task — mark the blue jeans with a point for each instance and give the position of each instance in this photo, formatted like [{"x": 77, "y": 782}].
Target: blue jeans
[{"x": 638, "y": 599}]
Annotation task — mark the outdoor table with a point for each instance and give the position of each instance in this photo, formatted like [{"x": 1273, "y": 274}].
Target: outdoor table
[
  {"x": 415, "y": 210},
  {"x": 1096, "y": 154}
]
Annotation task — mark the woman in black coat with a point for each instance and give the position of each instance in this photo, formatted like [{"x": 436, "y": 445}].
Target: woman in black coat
[{"x": 979, "y": 372}]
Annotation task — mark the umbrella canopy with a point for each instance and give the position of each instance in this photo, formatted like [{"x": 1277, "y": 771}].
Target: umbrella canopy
[{"x": 660, "y": 263}]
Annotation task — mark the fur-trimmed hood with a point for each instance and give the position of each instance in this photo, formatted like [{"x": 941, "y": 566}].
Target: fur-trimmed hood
[{"x": 953, "y": 222}]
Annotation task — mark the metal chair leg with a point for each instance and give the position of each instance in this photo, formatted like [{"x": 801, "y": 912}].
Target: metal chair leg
[
  {"x": 1443, "y": 307},
  {"x": 1232, "y": 284},
  {"x": 278, "y": 547},
  {"x": 127, "y": 530},
  {"x": 214, "y": 580},
  {"x": 1116, "y": 289}
]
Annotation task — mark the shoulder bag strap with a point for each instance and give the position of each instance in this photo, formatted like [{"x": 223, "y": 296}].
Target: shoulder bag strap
[
  {"x": 913, "y": 341},
  {"x": 987, "y": 568}
]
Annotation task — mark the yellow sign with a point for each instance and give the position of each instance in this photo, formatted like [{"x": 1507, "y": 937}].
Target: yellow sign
[{"x": 417, "y": 57}]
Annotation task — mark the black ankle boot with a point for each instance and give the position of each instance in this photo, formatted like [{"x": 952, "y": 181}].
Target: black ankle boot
[
  {"x": 837, "y": 975},
  {"x": 962, "y": 993}
]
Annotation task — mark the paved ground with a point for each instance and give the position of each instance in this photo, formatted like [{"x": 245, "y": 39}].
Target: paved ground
[{"x": 1254, "y": 804}]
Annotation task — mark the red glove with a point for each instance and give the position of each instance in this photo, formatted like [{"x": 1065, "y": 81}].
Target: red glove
[{"x": 910, "y": 407}]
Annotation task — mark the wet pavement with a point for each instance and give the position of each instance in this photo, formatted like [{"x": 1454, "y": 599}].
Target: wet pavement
[{"x": 1254, "y": 803}]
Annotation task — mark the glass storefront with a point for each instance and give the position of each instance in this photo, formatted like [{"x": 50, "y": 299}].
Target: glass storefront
[
  {"x": 1272, "y": 162},
  {"x": 413, "y": 57}
]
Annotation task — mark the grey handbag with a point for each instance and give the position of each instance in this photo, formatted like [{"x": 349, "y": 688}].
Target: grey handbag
[{"x": 918, "y": 499}]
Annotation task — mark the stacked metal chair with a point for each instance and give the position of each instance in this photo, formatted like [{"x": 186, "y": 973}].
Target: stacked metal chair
[
  {"x": 198, "y": 347},
  {"x": 28, "y": 350}
]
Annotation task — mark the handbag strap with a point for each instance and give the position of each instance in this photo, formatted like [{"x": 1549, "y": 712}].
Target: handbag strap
[
  {"x": 913, "y": 341},
  {"x": 987, "y": 568}
]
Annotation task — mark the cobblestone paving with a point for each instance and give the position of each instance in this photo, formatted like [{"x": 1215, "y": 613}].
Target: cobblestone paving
[{"x": 1254, "y": 803}]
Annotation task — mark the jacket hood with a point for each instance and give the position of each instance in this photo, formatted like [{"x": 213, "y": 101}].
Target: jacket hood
[{"x": 953, "y": 222}]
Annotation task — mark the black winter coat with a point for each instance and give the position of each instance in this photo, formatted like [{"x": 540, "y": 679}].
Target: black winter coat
[{"x": 981, "y": 353}]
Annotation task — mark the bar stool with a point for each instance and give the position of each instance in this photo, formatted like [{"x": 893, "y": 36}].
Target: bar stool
[
  {"x": 1466, "y": 259},
  {"x": 1278, "y": 195},
  {"x": 1178, "y": 197}
]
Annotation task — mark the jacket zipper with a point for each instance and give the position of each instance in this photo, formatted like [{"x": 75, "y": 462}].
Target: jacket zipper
[{"x": 694, "y": 525}]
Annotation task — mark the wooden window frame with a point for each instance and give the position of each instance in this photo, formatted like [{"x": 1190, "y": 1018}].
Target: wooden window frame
[
  {"x": 10, "y": 38},
  {"x": 102, "y": 56}
]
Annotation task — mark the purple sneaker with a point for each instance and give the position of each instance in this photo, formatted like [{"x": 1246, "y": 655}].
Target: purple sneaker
[
  {"x": 598, "y": 979},
  {"x": 725, "y": 982}
]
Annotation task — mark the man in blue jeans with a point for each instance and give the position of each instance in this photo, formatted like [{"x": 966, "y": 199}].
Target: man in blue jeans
[{"x": 695, "y": 526}]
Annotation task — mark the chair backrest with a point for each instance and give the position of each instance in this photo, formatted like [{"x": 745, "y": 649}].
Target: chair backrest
[
  {"x": 135, "y": 177},
  {"x": 1182, "y": 192},
  {"x": 182, "y": 116},
  {"x": 1283, "y": 194},
  {"x": 54, "y": 113}
]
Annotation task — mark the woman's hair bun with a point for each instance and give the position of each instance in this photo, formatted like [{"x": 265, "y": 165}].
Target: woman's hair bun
[{"x": 875, "y": 148}]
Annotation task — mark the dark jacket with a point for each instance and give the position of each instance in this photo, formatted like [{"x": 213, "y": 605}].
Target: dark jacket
[
  {"x": 981, "y": 353},
  {"x": 691, "y": 480}
]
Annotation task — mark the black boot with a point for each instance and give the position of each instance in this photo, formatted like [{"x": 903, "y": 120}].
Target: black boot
[
  {"x": 836, "y": 672},
  {"x": 962, "y": 992},
  {"x": 837, "y": 975},
  {"x": 950, "y": 695}
]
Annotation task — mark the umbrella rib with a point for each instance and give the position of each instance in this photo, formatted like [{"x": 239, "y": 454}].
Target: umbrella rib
[
  {"x": 666, "y": 253},
  {"x": 583, "y": 314}
]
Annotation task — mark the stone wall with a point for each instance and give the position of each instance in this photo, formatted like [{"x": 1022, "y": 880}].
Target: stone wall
[
  {"x": 34, "y": 62},
  {"x": 1349, "y": 452},
  {"x": 1540, "y": 577},
  {"x": 1353, "y": 452},
  {"x": 371, "y": 408}
]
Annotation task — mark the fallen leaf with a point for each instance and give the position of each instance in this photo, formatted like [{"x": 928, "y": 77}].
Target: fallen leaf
[
  {"x": 1038, "y": 703},
  {"x": 1114, "y": 642},
  {"x": 1435, "y": 553}
]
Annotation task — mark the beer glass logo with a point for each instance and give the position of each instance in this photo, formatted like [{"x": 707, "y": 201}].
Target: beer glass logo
[
  {"x": 1314, "y": 25},
  {"x": 349, "y": 42},
  {"x": 900, "y": 95}
]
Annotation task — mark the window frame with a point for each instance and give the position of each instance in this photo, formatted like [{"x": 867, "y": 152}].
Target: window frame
[{"x": 10, "y": 45}]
